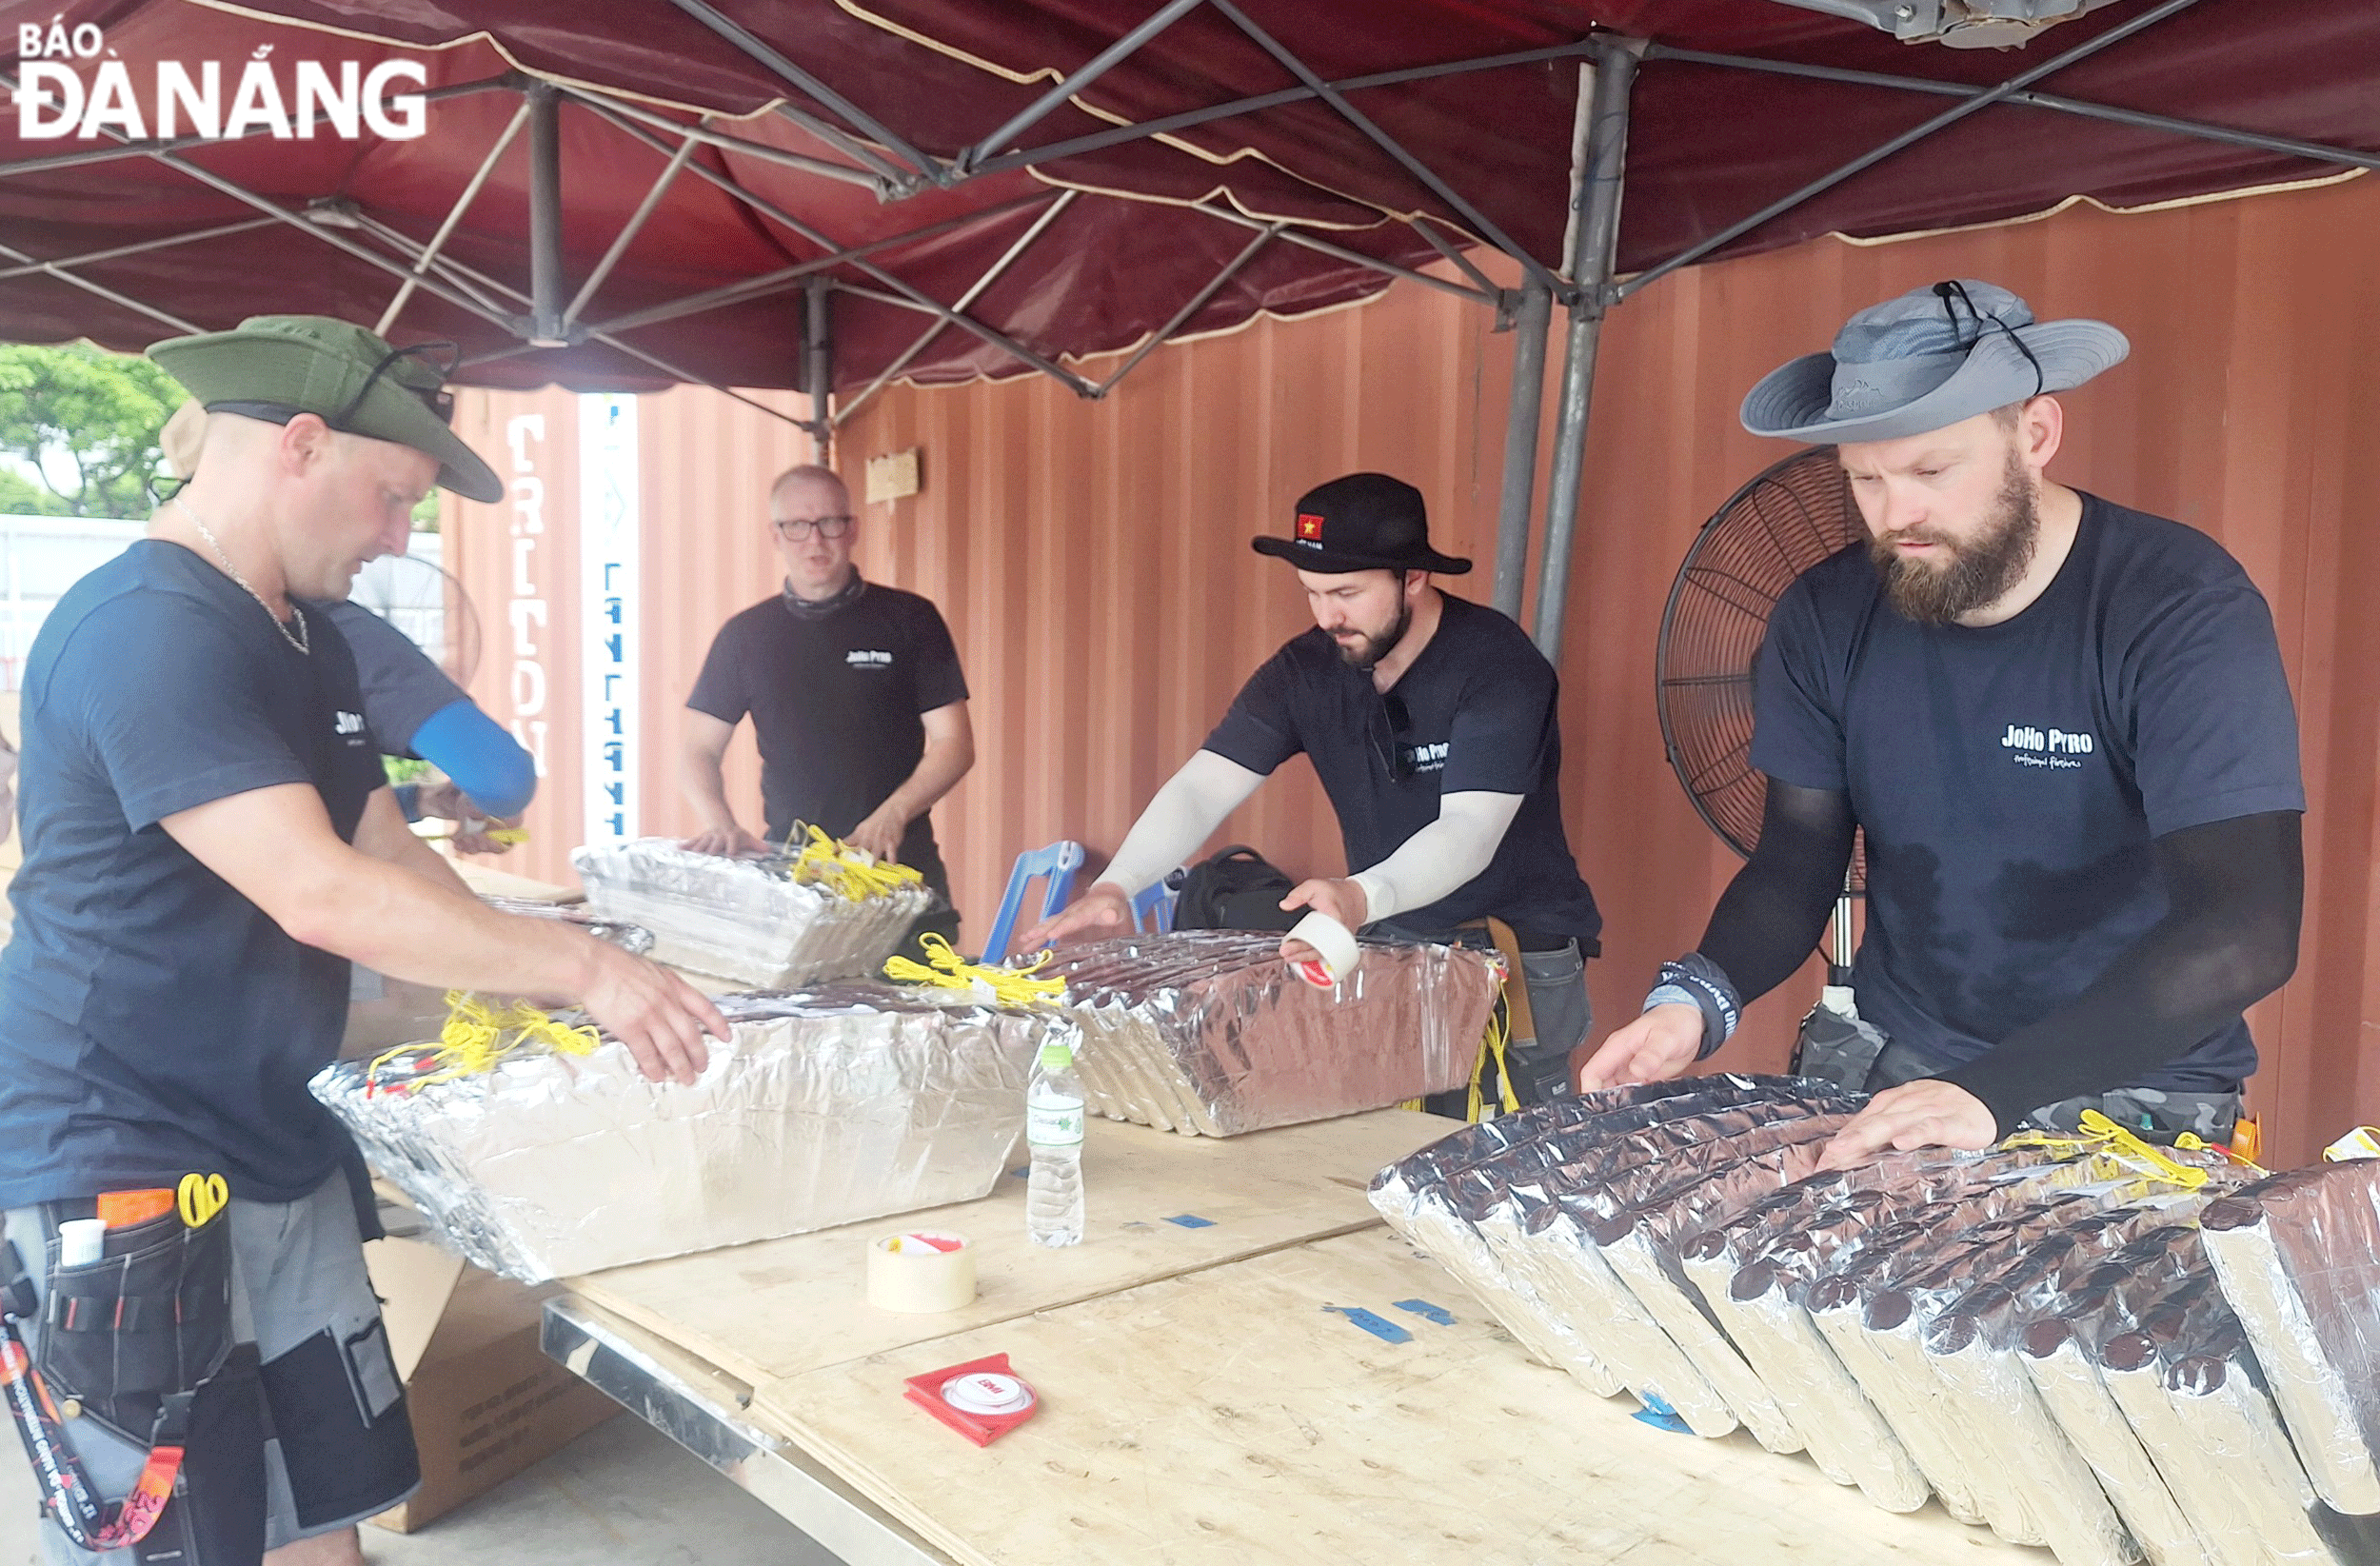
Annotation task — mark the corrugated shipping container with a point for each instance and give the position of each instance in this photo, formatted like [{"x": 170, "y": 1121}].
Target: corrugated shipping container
[{"x": 1092, "y": 557}]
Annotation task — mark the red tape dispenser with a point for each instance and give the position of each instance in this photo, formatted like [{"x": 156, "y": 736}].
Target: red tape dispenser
[{"x": 982, "y": 1399}]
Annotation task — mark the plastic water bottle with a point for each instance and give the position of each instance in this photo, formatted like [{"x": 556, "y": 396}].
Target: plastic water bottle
[{"x": 1053, "y": 1130}]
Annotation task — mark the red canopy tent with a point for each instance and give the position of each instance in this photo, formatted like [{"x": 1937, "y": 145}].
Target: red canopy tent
[{"x": 822, "y": 194}]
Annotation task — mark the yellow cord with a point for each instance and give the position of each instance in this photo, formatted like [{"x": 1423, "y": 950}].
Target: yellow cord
[
  {"x": 2100, "y": 1136},
  {"x": 476, "y": 1036},
  {"x": 1492, "y": 1044},
  {"x": 944, "y": 968},
  {"x": 842, "y": 870}
]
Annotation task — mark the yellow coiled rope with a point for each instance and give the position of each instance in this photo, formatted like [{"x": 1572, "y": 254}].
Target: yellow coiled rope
[
  {"x": 476, "y": 1036},
  {"x": 944, "y": 968},
  {"x": 845, "y": 870},
  {"x": 1492, "y": 1044},
  {"x": 2101, "y": 1140}
]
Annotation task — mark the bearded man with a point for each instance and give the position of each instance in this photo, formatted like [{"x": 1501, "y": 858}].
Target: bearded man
[
  {"x": 1431, "y": 723},
  {"x": 2062, "y": 726}
]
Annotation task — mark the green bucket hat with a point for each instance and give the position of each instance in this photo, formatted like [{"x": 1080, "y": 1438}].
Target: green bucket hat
[{"x": 277, "y": 366}]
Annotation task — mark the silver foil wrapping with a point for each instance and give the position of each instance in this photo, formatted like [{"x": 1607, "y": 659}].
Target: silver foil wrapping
[
  {"x": 823, "y": 1108},
  {"x": 743, "y": 920},
  {"x": 2299, "y": 1259},
  {"x": 1210, "y": 1033},
  {"x": 628, "y": 938}
]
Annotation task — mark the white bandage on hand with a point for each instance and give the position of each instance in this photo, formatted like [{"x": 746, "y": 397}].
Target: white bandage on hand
[{"x": 1439, "y": 858}]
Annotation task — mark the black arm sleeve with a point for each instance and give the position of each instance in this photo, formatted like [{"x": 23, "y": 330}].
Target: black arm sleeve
[
  {"x": 2234, "y": 891},
  {"x": 1767, "y": 921}
]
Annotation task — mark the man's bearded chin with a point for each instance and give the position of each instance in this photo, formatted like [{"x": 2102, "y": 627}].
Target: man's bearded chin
[
  {"x": 1979, "y": 570},
  {"x": 1367, "y": 652}
]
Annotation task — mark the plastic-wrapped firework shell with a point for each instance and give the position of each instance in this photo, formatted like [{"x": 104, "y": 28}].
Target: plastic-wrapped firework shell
[
  {"x": 2228, "y": 1463},
  {"x": 2298, "y": 1255},
  {"x": 818, "y": 1110},
  {"x": 743, "y": 920},
  {"x": 1210, "y": 1033}
]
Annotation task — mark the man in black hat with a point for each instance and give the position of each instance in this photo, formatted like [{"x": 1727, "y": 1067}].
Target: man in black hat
[
  {"x": 2062, "y": 726},
  {"x": 1430, "y": 723}
]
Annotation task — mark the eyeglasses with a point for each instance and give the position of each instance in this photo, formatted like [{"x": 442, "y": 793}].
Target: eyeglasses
[
  {"x": 1398, "y": 757},
  {"x": 794, "y": 529},
  {"x": 437, "y": 399}
]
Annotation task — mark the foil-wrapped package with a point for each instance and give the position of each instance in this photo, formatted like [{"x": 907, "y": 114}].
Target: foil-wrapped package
[
  {"x": 821, "y": 1108},
  {"x": 628, "y": 938},
  {"x": 1210, "y": 1033},
  {"x": 747, "y": 920},
  {"x": 2299, "y": 1259}
]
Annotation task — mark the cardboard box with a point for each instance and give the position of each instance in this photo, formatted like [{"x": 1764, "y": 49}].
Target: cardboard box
[{"x": 485, "y": 1402}]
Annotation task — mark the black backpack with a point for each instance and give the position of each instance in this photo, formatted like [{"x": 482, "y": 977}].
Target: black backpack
[{"x": 1236, "y": 889}]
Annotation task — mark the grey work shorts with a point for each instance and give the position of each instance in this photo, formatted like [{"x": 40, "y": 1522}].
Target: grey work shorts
[{"x": 338, "y": 1447}]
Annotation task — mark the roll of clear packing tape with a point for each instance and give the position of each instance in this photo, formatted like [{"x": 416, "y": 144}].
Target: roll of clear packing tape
[
  {"x": 921, "y": 1271},
  {"x": 1337, "y": 945}
]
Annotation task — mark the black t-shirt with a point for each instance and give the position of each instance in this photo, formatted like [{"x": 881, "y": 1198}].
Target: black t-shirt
[
  {"x": 403, "y": 689},
  {"x": 835, "y": 700},
  {"x": 2009, "y": 778},
  {"x": 152, "y": 1021},
  {"x": 1477, "y": 711}
]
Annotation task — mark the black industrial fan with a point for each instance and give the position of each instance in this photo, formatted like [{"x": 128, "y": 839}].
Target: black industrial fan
[
  {"x": 1791, "y": 517},
  {"x": 421, "y": 598}
]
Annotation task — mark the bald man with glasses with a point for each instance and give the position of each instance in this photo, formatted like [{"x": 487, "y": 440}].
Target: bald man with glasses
[{"x": 855, "y": 695}]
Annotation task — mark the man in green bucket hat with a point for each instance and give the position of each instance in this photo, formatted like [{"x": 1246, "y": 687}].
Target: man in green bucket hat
[{"x": 208, "y": 843}]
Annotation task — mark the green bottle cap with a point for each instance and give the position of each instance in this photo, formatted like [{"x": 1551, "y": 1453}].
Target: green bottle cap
[{"x": 1057, "y": 1054}]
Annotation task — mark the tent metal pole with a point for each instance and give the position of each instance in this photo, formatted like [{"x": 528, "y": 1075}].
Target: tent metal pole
[
  {"x": 295, "y": 220},
  {"x": 862, "y": 121},
  {"x": 1598, "y": 243},
  {"x": 2141, "y": 119},
  {"x": 92, "y": 258},
  {"x": 1099, "y": 65},
  {"x": 1479, "y": 222},
  {"x": 818, "y": 371},
  {"x": 1100, "y": 140},
  {"x": 975, "y": 290},
  {"x": 1197, "y": 302},
  {"x": 725, "y": 143},
  {"x": 454, "y": 216},
  {"x": 546, "y": 328},
  {"x": 628, "y": 232},
  {"x": 999, "y": 339},
  {"x": 777, "y": 282},
  {"x": 75, "y": 280},
  {"x": 1323, "y": 247},
  {"x": 1949, "y": 117},
  {"x": 1427, "y": 227},
  {"x": 1518, "y": 501}
]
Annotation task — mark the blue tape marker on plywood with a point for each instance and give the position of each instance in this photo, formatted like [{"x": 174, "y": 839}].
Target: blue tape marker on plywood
[
  {"x": 1192, "y": 1220},
  {"x": 1428, "y": 1312},
  {"x": 1387, "y": 1332}
]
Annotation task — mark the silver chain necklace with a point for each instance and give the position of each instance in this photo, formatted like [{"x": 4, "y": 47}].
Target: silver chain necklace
[{"x": 300, "y": 637}]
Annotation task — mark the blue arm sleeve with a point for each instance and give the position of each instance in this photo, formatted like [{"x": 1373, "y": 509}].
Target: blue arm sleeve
[{"x": 483, "y": 760}]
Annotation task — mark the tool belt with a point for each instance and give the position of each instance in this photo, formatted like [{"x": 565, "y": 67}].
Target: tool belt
[{"x": 127, "y": 1342}]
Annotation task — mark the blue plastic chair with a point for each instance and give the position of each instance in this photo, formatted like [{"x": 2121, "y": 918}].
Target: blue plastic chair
[
  {"x": 1059, "y": 861},
  {"x": 1153, "y": 907}
]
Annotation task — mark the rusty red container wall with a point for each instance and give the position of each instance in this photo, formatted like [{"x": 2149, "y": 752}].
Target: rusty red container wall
[{"x": 1093, "y": 561}]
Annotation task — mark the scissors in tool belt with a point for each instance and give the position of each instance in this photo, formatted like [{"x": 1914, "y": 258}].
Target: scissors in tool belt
[{"x": 199, "y": 1198}]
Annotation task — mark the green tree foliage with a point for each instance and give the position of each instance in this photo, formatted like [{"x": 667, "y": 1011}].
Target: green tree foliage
[{"x": 95, "y": 414}]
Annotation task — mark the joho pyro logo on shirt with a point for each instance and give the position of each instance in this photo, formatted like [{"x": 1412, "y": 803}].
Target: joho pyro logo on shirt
[
  {"x": 349, "y": 723},
  {"x": 1430, "y": 757},
  {"x": 2050, "y": 748},
  {"x": 211, "y": 99},
  {"x": 868, "y": 660}
]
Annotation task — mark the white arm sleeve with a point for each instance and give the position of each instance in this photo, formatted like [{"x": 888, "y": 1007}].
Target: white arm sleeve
[
  {"x": 1443, "y": 855},
  {"x": 1180, "y": 817}
]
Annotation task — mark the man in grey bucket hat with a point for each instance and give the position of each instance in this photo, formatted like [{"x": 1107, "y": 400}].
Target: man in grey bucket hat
[{"x": 2063, "y": 727}]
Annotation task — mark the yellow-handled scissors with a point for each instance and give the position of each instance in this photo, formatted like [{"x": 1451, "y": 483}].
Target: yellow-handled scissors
[{"x": 199, "y": 1198}]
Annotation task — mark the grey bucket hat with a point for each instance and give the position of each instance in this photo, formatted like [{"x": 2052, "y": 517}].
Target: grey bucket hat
[{"x": 1926, "y": 360}]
